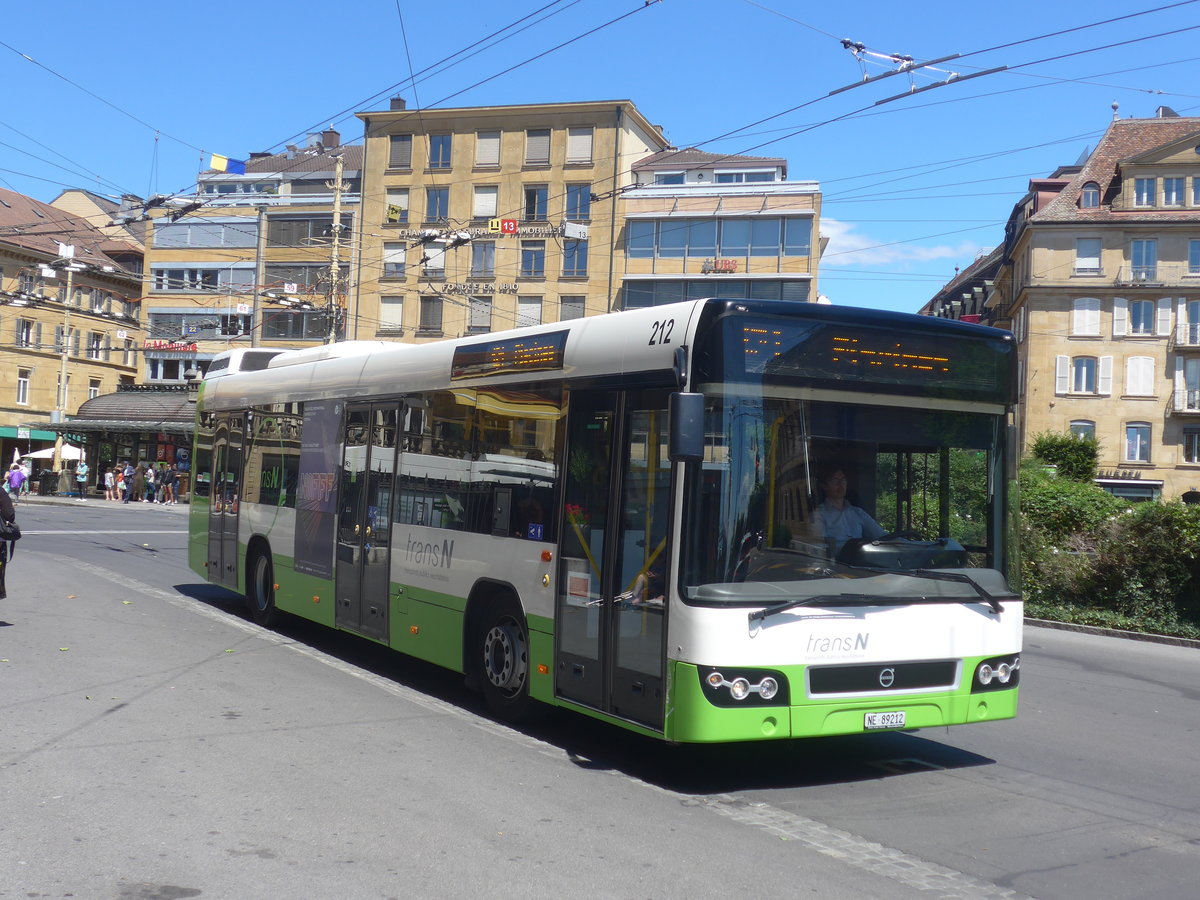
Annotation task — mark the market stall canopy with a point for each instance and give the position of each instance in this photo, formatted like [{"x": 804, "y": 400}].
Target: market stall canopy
[{"x": 69, "y": 451}]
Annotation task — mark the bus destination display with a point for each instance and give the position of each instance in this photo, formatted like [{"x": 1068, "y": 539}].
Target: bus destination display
[
  {"x": 534, "y": 353},
  {"x": 823, "y": 352}
]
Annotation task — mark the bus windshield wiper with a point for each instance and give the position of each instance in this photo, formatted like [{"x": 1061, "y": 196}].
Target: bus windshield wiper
[
  {"x": 933, "y": 575},
  {"x": 842, "y": 599}
]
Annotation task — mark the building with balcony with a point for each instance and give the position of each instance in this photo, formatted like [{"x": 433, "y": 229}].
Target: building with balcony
[
  {"x": 1100, "y": 281},
  {"x": 485, "y": 218},
  {"x": 94, "y": 328},
  {"x": 709, "y": 225},
  {"x": 246, "y": 261}
]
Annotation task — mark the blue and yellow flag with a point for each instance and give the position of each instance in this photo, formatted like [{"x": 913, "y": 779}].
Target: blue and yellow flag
[{"x": 227, "y": 165}]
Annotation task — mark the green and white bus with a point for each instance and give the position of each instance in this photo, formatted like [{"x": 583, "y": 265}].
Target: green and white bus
[{"x": 623, "y": 515}]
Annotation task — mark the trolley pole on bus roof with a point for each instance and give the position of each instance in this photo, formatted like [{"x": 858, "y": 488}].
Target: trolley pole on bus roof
[{"x": 332, "y": 302}]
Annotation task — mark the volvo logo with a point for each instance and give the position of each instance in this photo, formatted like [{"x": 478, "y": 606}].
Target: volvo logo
[{"x": 887, "y": 677}]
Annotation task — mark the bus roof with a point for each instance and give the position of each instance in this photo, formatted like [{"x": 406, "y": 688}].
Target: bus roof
[{"x": 632, "y": 347}]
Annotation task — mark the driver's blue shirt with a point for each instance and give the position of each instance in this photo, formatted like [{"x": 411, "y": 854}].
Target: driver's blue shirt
[{"x": 840, "y": 525}]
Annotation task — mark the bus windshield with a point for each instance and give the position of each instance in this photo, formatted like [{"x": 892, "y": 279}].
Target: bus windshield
[{"x": 795, "y": 488}]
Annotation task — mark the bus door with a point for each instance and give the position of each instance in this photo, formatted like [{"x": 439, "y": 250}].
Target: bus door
[
  {"x": 225, "y": 501},
  {"x": 614, "y": 558},
  {"x": 364, "y": 524}
]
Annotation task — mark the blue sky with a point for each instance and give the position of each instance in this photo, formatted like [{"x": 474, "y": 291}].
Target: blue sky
[{"x": 133, "y": 96}]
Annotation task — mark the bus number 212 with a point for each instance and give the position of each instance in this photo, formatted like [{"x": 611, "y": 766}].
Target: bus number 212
[{"x": 660, "y": 332}]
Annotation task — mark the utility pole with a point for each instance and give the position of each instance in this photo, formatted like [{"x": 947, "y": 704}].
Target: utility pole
[
  {"x": 260, "y": 277},
  {"x": 66, "y": 253},
  {"x": 335, "y": 268}
]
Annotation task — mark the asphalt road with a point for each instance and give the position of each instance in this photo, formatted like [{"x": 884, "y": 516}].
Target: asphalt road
[{"x": 154, "y": 745}]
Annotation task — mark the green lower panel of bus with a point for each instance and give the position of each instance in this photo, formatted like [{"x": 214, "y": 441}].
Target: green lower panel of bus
[{"x": 692, "y": 718}]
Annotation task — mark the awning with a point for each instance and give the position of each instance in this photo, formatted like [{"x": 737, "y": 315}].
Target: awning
[
  {"x": 69, "y": 451},
  {"x": 34, "y": 434},
  {"x": 94, "y": 426}
]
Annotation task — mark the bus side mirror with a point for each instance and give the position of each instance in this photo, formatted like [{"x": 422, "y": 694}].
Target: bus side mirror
[{"x": 686, "y": 413}]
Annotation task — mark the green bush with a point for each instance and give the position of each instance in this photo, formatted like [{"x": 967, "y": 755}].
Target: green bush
[
  {"x": 1062, "y": 508},
  {"x": 1075, "y": 456},
  {"x": 1091, "y": 558}
]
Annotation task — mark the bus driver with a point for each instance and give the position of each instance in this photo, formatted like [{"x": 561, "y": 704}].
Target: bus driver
[{"x": 838, "y": 519}]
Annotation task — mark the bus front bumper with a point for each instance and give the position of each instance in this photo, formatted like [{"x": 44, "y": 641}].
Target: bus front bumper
[{"x": 693, "y": 718}]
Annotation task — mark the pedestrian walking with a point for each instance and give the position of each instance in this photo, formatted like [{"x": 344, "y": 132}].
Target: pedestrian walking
[
  {"x": 81, "y": 476},
  {"x": 14, "y": 481},
  {"x": 151, "y": 484},
  {"x": 110, "y": 484},
  {"x": 8, "y": 517}
]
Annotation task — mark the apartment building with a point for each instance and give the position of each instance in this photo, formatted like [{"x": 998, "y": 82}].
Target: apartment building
[
  {"x": 93, "y": 328},
  {"x": 1100, "y": 281},
  {"x": 703, "y": 224},
  {"x": 485, "y": 218},
  {"x": 246, "y": 261}
]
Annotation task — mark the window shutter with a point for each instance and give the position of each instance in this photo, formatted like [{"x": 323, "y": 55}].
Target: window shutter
[
  {"x": 485, "y": 202},
  {"x": 400, "y": 156},
  {"x": 579, "y": 145},
  {"x": 1163, "y": 317},
  {"x": 107, "y": 347},
  {"x": 1085, "y": 316},
  {"x": 1139, "y": 376},
  {"x": 1180, "y": 383},
  {"x": 1062, "y": 374},
  {"x": 1120, "y": 317},
  {"x": 1104, "y": 381},
  {"x": 537, "y": 147},
  {"x": 487, "y": 148},
  {"x": 37, "y": 335}
]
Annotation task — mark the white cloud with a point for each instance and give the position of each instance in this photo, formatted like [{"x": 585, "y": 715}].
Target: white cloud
[{"x": 847, "y": 247}]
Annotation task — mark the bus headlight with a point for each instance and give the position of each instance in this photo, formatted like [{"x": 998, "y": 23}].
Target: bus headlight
[
  {"x": 997, "y": 674},
  {"x": 748, "y": 687}
]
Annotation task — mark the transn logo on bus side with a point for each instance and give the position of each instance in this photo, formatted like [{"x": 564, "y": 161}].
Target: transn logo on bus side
[{"x": 430, "y": 553}]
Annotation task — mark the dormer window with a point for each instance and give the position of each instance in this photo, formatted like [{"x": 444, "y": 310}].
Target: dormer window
[
  {"x": 1089, "y": 197},
  {"x": 1145, "y": 191},
  {"x": 1173, "y": 191}
]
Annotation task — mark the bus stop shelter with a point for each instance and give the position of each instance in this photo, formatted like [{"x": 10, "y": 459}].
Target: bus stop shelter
[{"x": 149, "y": 424}]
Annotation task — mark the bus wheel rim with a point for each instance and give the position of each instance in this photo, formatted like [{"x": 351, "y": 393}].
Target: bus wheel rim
[{"x": 504, "y": 658}]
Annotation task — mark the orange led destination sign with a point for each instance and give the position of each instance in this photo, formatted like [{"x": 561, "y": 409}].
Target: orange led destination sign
[{"x": 533, "y": 353}]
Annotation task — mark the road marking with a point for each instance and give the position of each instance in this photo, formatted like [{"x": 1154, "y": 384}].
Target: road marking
[{"x": 851, "y": 849}]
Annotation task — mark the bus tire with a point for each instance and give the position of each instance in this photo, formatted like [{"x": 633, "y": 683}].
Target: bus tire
[
  {"x": 502, "y": 657},
  {"x": 260, "y": 587}
]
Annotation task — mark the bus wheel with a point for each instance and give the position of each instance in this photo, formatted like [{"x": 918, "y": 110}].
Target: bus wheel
[
  {"x": 260, "y": 592},
  {"x": 504, "y": 661}
]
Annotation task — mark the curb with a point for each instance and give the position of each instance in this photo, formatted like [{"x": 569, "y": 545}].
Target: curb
[
  {"x": 40, "y": 500},
  {"x": 1115, "y": 632}
]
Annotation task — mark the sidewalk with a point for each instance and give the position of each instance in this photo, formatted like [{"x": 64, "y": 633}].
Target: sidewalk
[{"x": 28, "y": 500}]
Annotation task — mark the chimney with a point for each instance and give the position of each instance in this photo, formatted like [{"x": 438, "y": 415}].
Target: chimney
[
  {"x": 331, "y": 138},
  {"x": 399, "y": 102}
]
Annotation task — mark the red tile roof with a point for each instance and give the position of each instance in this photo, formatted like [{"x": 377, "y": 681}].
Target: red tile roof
[
  {"x": 1125, "y": 140},
  {"x": 39, "y": 228}
]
